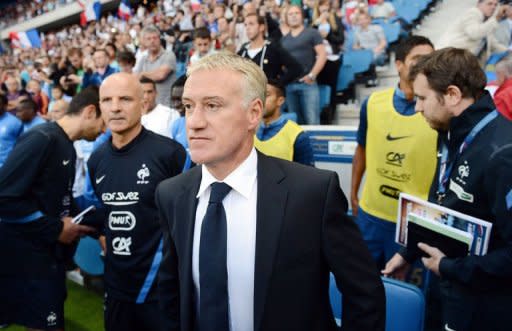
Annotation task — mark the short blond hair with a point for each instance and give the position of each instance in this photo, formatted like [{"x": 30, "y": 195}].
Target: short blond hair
[{"x": 254, "y": 78}]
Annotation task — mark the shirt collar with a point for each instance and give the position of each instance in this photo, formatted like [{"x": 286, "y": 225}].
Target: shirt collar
[
  {"x": 275, "y": 123},
  {"x": 242, "y": 179}
]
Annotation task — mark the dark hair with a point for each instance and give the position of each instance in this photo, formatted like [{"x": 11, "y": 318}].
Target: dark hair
[
  {"x": 126, "y": 57},
  {"x": 179, "y": 82},
  {"x": 111, "y": 45},
  {"x": 405, "y": 47},
  {"x": 278, "y": 86},
  {"x": 57, "y": 86},
  {"x": 86, "y": 97},
  {"x": 28, "y": 104},
  {"x": 146, "y": 80},
  {"x": 260, "y": 19},
  {"x": 202, "y": 33},
  {"x": 451, "y": 66},
  {"x": 3, "y": 99}
]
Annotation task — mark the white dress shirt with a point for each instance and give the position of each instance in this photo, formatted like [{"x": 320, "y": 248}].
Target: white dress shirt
[
  {"x": 240, "y": 207},
  {"x": 160, "y": 119}
]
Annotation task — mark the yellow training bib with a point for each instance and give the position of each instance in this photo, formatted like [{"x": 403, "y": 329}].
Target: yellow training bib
[
  {"x": 280, "y": 145},
  {"x": 400, "y": 156}
]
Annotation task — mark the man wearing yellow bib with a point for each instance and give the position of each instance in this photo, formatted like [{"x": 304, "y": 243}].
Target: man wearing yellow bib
[
  {"x": 278, "y": 136},
  {"x": 397, "y": 152}
]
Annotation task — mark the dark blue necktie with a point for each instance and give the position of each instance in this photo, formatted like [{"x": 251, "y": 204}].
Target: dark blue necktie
[{"x": 213, "y": 274}]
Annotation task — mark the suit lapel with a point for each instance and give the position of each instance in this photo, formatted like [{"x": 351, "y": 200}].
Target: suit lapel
[
  {"x": 272, "y": 196},
  {"x": 186, "y": 216}
]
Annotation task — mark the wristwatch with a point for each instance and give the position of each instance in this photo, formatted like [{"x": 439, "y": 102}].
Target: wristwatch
[{"x": 311, "y": 76}]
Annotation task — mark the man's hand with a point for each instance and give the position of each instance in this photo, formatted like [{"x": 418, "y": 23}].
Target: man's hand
[
  {"x": 306, "y": 79},
  {"x": 432, "y": 262},
  {"x": 397, "y": 267},
  {"x": 354, "y": 202},
  {"x": 71, "y": 231}
]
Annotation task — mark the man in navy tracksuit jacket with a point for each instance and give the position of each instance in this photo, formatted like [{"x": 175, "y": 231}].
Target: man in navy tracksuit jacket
[
  {"x": 124, "y": 172},
  {"x": 473, "y": 177}
]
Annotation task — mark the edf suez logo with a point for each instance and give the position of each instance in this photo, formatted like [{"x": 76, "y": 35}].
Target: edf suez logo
[{"x": 121, "y": 221}]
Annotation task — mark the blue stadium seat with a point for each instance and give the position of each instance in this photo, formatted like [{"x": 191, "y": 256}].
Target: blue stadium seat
[
  {"x": 349, "y": 39},
  {"x": 360, "y": 60},
  {"x": 391, "y": 30},
  {"x": 88, "y": 257},
  {"x": 405, "y": 305},
  {"x": 346, "y": 76},
  {"x": 408, "y": 10}
]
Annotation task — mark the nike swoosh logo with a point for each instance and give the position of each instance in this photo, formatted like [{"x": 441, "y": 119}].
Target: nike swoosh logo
[
  {"x": 98, "y": 180},
  {"x": 65, "y": 162},
  {"x": 391, "y": 138}
]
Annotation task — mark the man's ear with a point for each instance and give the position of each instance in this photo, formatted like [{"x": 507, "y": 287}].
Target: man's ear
[
  {"x": 255, "y": 113},
  {"x": 280, "y": 101},
  {"x": 453, "y": 96},
  {"x": 89, "y": 111}
]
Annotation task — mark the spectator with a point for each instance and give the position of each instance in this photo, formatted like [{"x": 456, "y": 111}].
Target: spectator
[
  {"x": 382, "y": 9},
  {"x": 158, "y": 65},
  {"x": 504, "y": 31},
  {"x": 58, "y": 110},
  {"x": 155, "y": 117},
  {"x": 278, "y": 136},
  {"x": 329, "y": 25},
  {"x": 225, "y": 42},
  {"x": 271, "y": 57},
  {"x": 126, "y": 61},
  {"x": 503, "y": 95},
  {"x": 27, "y": 113},
  {"x": 98, "y": 69},
  {"x": 202, "y": 45},
  {"x": 474, "y": 30},
  {"x": 112, "y": 55},
  {"x": 71, "y": 79},
  {"x": 306, "y": 46},
  {"x": 13, "y": 92},
  {"x": 10, "y": 128},
  {"x": 370, "y": 36},
  {"x": 39, "y": 97}
]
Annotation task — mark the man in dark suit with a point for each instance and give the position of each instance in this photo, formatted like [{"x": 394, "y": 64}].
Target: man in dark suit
[{"x": 258, "y": 256}]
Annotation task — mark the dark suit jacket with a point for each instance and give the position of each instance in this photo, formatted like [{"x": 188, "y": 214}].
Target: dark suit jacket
[{"x": 302, "y": 233}]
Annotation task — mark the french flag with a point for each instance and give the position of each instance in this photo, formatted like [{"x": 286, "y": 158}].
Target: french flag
[
  {"x": 196, "y": 5},
  {"x": 124, "y": 11},
  {"x": 92, "y": 11},
  {"x": 27, "y": 39}
]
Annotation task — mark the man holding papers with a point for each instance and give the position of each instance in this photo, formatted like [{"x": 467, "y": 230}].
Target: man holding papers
[{"x": 473, "y": 177}]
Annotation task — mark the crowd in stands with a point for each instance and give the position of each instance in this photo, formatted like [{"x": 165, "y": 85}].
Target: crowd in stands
[
  {"x": 68, "y": 57},
  {"x": 22, "y": 10}
]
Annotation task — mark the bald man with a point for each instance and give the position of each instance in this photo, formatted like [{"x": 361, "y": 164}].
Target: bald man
[
  {"x": 58, "y": 110},
  {"x": 124, "y": 172}
]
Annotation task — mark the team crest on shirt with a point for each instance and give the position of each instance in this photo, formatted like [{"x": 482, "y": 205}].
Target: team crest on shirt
[
  {"x": 142, "y": 174},
  {"x": 52, "y": 319},
  {"x": 463, "y": 172}
]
